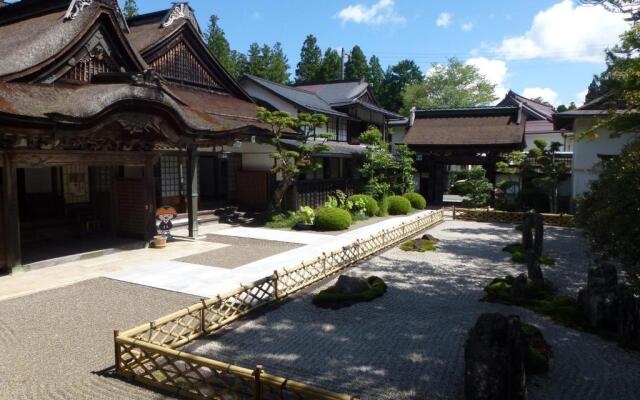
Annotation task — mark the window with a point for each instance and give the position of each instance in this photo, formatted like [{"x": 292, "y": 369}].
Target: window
[
  {"x": 170, "y": 176},
  {"x": 332, "y": 127},
  {"x": 342, "y": 130}
]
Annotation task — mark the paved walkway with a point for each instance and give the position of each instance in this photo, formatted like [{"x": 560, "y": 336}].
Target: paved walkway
[
  {"x": 208, "y": 281},
  {"x": 408, "y": 344}
]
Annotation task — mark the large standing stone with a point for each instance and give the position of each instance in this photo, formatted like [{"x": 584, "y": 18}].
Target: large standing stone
[
  {"x": 600, "y": 300},
  {"x": 494, "y": 359},
  {"x": 629, "y": 319},
  {"x": 533, "y": 268},
  {"x": 351, "y": 285},
  {"x": 519, "y": 287},
  {"x": 538, "y": 225}
]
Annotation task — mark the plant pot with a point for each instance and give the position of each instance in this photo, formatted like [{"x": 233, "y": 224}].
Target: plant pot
[
  {"x": 303, "y": 227},
  {"x": 159, "y": 242}
]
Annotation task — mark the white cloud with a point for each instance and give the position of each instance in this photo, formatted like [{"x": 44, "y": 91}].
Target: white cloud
[
  {"x": 566, "y": 32},
  {"x": 495, "y": 71},
  {"x": 380, "y": 13},
  {"x": 444, "y": 19},
  {"x": 580, "y": 97},
  {"x": 256, "y": 15},
  {"x": 547, "y": 94},
  {"x": 467, "y": 26}
]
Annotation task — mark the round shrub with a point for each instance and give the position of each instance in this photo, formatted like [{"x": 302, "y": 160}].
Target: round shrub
[
  {"x": 371, "y": 204},
  {"x": 398, "y": 205},
  {"x": 417, "y": 200},
  {"x": 332, "y": 219}
]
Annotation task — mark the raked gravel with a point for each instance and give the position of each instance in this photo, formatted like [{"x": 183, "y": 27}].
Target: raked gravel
[{"x": 409, "y": 343}]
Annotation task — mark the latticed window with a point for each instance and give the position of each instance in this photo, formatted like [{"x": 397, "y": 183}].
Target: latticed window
[
  {"x": 88, "y": 67},
  {"x": 332, "y": 127},
  {"x": 342, "y": 130},
  {"x": 179, "y": 64},
  {"x": 170, "y": 170},
  {"x": 102, "y": 179}
]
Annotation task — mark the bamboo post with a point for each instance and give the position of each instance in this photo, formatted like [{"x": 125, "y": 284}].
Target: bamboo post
[
  {"x": 117, "y": 349},
  {"x": 324, "y": 263},
  {"x": 258, "y": 386},
  {"x": 203, "y": 324},
  {"x": 275, "y": 285},
  {"x": 454, "y": 212}
]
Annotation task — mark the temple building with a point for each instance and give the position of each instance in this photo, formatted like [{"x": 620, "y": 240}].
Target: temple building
[{"x": 103, "y": 119}]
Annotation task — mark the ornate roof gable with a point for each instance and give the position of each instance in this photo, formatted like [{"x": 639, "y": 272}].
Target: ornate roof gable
[
  {"x": 180, "y": 11},
  {"x": 77, "y": 6}
]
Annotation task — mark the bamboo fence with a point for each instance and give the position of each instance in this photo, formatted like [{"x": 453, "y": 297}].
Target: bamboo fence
[
  {"x": 149, "y": 353},
  {"x": 485, "y": 215}
]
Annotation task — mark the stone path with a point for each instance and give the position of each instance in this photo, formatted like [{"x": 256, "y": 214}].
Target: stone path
[{"x": 409, "y": 343}]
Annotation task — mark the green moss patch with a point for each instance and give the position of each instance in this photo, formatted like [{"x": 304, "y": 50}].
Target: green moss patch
[
  {"x": 328, "y": 298},
  {"x": 560, "y": 309},
  {"x": 538, "y": 350},
  {"x": 427, "y": 245},
  {"x": 518, "y": 255},
  {"x": 277, "y": 221}
]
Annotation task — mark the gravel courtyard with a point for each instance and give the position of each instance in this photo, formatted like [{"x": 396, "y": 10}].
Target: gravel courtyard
[{"x": 409, "y": 343}]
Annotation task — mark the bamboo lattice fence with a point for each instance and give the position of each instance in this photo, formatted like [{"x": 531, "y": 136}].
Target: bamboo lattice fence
[
  {"x": 149, "y": 353},
  {"x": 484, "y": 215}
]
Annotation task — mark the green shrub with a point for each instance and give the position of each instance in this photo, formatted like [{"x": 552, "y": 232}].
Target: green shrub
[
  {"x": 417, "y": 200},
  {"x": 328, "y": 298},
  {"x": 306, "y": 215},
  {"x": 538, "y": 353},
  {"x": 398, "y": 205},
  {"x": 332, "y": 219},
  {"x": 371, "y": 205},
  {"x": 277, "y": 221},
  {"x": 384, "y": 207}
]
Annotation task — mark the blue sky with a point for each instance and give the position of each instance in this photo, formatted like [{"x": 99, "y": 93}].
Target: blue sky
[{"x": 544, "y": 47}]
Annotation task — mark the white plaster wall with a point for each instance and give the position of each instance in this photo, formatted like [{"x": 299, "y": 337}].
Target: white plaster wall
[
  {"x": 255, "y": 156},
  {"x": 258, "y": 92},
  {"x": 585, "y": 154}
]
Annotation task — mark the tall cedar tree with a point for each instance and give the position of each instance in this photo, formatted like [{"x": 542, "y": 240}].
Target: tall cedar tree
[
  {"x": 331, "y": 68},
  {"x": 356, "y": 68},
  {"x": 130, "y": 8},
  {"x": 376, "y": 74},
  {"x": 219, "y": 46},
  {"x": 278, "y": 65},
  {"x": 453, "y": 85},
  {"x": 406, "y": 72},
  {"x": 310, "y": 60}
]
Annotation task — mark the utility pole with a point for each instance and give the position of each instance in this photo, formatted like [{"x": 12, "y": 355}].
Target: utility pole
[{"x": 342, "y": 64}]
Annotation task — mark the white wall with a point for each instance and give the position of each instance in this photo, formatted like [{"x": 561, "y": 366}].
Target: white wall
[
  {"x": 260, "y": 93},
  {"x": 585, "y": 154},
  {"x": 255, "y": 156},
  {"x": 530, "y": 138}
]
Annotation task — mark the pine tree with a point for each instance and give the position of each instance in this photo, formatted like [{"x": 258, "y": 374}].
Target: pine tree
[
  {"x": 130, "y": 8},
  {"x": 356, "y": 68},
  {"x": 277, "y": 64},
  {"x": 376, "y": 73},
  {"x": 256, "y": 64},
  {"x": 331, "y": 68},
  {"x": 310, "y": 60},
  {"x": 219, "y": 46},
  {"x": 397, "y": 77}
]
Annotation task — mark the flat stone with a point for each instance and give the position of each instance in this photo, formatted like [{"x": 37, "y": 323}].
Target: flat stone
[
  {"x": 418, "y": 244},
  {"x": 430, "y": 238},
  {"x": 351, "y": 285}
]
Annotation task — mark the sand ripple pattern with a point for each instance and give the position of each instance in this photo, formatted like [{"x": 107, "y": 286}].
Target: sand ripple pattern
[{"x": 409, "y": 343}]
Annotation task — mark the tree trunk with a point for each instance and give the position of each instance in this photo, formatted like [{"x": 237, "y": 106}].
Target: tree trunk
[{"x": 279, "y": 193}]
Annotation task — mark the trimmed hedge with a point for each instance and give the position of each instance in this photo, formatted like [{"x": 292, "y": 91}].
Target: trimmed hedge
[
  {"x": 417, "y": 200},
  {"x": 328, "y": 298},
  {"x": 372, "y": 208},
  {"x": 384, "y": 207},
  {"x": 332, "y": 219},
  {"x": 398, "y": 205}
]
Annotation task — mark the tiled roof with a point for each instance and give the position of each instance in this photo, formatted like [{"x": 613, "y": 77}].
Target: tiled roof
[
  {"x": 533, "y": 109},
  {"x": 338, "y": 91}
]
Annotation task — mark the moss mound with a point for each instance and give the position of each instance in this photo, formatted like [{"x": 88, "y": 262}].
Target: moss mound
[
  {"x": 538, "y": 350},
  {"x": 417, "y": 200},
  {"x": 371, "y": 205},
  {"x": 561, "y": 309},
  {"x": 332, "y": 219},
  {"x": 398, "y": 205},
  {"x": 328, "y": 298},
  {"x": 277, "y": 221},
  {"x": 519, "y": 255},
  {"x": 427, "y": 245}
]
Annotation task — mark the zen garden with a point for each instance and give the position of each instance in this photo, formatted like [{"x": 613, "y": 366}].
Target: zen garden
[{"x": 185, "y": 220}]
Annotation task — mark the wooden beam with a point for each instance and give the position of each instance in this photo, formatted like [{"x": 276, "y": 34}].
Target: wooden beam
[
  {"x": 192, "y": 190},
  {"x": 13, "y": 251}
]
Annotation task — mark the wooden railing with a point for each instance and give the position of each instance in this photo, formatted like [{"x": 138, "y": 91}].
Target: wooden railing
[
  {"x": 149, "y": 355},
  {"x": 485, "y": 215},
  {"x": 314, "y": 193}
]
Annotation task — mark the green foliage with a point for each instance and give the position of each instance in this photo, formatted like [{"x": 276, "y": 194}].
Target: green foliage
[
  {"x": 130, "y": 8},
  {"x": 538, "y": 350},
  {"x": 376, "y": 74},
  {"x": 544, "y": 172},
  {"x": 610, "y": 210},
  {"x": 310, "y": 60},
  {"x": 267, "y": 62},
  {"x": 372, "y": 136},
  {"x": 371, "y": 207},
  {"x": 332, "y": 219},
  {"x": 358, "y": 207},
  {"x": 331, "y": 66},
  {"x": 384, "y": 207},
  {"x": 328, "y": 298},
  {"x": 398, "y": 205},
  {"x": 289, "y": 164},
  {"x": 219, "y": 46},
  {"x": 356, "y": 67},
  {"x": 454, "y": 85},
  {"x": 405, "y": 170},
  {"x": 279, "y": 220},
  {"x": 396, "y": 78},
  {"x": 417, "y": 200},
  {"x": 427, "y": 245},
  {"x": 306, "y": 215},
  {"x": 519, "y": 255},
  {"x": 473, "y": 185}
]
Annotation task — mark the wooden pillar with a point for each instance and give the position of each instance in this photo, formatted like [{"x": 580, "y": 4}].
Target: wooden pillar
[
  {"x": 150, "y": 193},
  {"x": 192, "y": 190},
  {"x": 13, "y": 251}
]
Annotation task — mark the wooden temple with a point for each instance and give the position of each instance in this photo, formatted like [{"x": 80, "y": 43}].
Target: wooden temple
[{"x": 102, "y": 119}]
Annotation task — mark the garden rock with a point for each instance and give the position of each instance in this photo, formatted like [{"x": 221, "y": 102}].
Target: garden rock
[
  {"x": 519, "y": 287},
  {"x": 351, "y": 285},
  {"x": 430, "y": 238},
  {"x": 419, "y": 243},
  {"x": 600, "y": 300},
  {"x": 629, "y": 319},
  {"x": 494, "y": 359}
]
